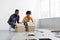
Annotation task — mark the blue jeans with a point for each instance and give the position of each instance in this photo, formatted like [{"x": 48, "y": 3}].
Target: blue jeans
[
  {"x": 25, "y": 23},
  {"x": 13, "y": 21}
]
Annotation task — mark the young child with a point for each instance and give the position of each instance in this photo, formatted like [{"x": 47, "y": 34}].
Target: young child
[{"x": 26, "y": 19}]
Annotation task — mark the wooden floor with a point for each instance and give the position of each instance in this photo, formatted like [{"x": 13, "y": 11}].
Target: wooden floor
[{"x": 6, "y": 35}]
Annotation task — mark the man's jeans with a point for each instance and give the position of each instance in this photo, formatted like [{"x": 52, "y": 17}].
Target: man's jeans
[{"x": 13, "y": 21}]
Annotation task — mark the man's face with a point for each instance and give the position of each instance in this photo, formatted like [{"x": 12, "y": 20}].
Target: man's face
[{"x": 17, "y": 12}]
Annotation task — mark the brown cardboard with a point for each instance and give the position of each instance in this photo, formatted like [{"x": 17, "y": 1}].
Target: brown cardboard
[
  {"x": 30, "y": 28},
  {"x": 20, "y": 28}
]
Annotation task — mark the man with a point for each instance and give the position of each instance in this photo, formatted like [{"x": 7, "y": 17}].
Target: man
[{"x": 13, "y": 19}]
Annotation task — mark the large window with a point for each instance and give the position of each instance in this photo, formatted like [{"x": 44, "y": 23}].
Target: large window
[
  {"x": 55, "y": 8},
  {"x": 48, "y": 8},
  {"x": 44, "y": 8}
]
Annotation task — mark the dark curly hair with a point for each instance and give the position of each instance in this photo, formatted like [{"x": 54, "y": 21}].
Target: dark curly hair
[{"x": 28, "y": 12}]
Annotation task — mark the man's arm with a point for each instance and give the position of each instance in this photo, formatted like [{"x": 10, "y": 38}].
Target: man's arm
[
  {"x": 9, "y": 20},
  {"x": 18, "y": 19}
]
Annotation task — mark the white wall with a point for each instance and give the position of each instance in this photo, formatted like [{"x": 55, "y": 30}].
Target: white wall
[{"x": 7, "y": 7}]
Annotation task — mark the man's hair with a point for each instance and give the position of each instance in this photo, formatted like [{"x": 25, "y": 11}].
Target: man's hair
[
  {"x": 16, "y": 10},
  {"x": 28, "y": 12}
]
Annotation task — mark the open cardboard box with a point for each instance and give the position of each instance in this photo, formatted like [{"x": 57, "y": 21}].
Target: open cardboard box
[
  {"x": 22, "y": 28},
  {"x": 19, "y": 28},
  {"x": 30, "y": 26}
]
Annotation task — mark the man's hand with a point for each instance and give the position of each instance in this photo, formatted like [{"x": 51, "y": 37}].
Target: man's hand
[
  {"x": 14, "y": 23},
  {"x": 20, "y": 23}
]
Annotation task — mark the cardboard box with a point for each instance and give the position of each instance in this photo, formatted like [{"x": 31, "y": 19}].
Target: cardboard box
[
  {"x": 20, "y": 28},
  {"x": 30, "y": 26}
]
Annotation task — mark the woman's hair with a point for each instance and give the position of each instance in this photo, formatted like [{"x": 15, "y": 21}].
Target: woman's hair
[{"x": 28, "y": 12}]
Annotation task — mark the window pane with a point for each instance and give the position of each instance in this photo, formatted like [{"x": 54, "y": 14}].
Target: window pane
[
  {"x": 44, "y": 8},
  {"x": 55, "y": 10}
]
